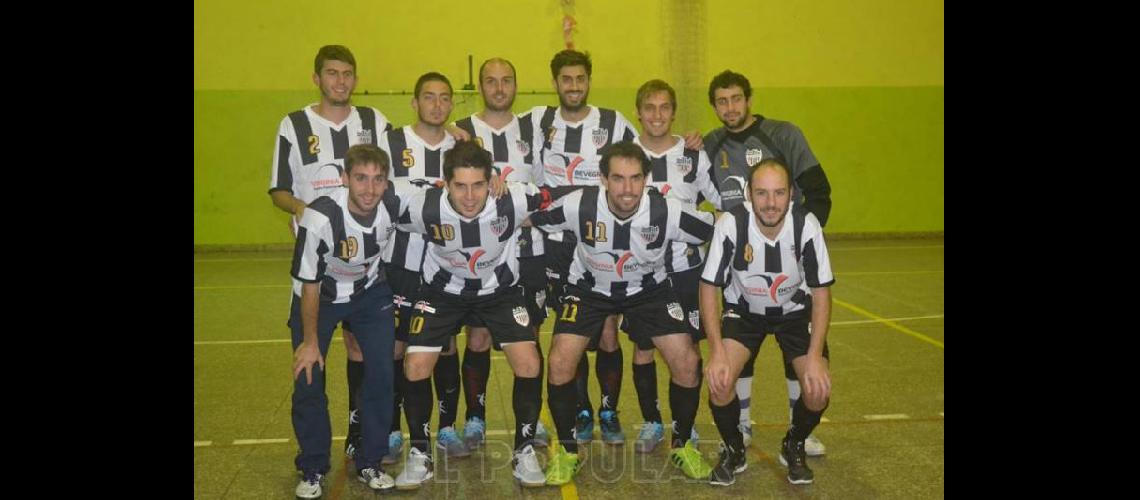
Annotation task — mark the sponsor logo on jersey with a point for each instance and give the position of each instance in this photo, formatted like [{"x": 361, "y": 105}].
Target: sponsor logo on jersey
[
  {"x": 753, "y": 156},
  {"x": 665, "y": 189},
  {"x": 521, "y": 316},
  {"x": 772, "y": 288},
  {"x": 675, "y": 311},
  {"x": 684, "y": 165},
  {"x": 499, "y": 226},
  {"x": 599, "y": 136}
]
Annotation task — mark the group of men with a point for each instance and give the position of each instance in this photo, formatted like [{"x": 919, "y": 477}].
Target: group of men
[{"x": 405, "y": 236}]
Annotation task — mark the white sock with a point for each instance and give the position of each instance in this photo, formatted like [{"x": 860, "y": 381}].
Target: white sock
[
  {"x": 744, "y": 392},
  {"x": 793, "y": 395}
]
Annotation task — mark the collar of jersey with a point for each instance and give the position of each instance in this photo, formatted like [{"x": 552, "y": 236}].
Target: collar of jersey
[
  {"x": 334, "y": 126},
  {"x": 679, "y": 143},
  {"x": 514, "y": 119},
  {"x": 446, "y": 136}
]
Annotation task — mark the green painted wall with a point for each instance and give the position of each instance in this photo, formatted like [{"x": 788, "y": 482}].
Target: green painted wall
[{"x": 864, "y": 80}]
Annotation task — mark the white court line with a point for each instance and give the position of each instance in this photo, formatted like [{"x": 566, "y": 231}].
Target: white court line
[
  {"x": 202, "y": 443},
  {"x": 286, "y": 341},
  {"x": 890, "y": 416},
  {"x": 259, "y": 441},
  {"x": 823, "y": 420}
]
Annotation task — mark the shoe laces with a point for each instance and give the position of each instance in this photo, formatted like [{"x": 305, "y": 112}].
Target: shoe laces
[
  {"x": 313, "y": 477},
  {"x": 651, "y": 430},
  {"x": 447, "y": 435}
]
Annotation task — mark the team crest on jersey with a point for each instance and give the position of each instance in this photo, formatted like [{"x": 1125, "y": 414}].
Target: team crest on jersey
[
  {"x": 524, "y": 148},
  {"x": 364, "y": 136},
  {"x": 675, "y": 311},
  {"x": 540, "y": 298},
  {"x": 649, "y": 234},
  {"x": 695, "y": 318},
  {"x": 499, "y": 226},
  {"x": 684, "y": 165},
  {"x": 753, "y": 156},
  {"x": 521, "y": 316},
  {"x": 600, "y": 135}
]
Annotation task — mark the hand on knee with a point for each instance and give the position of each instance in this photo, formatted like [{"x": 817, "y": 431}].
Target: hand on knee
[{"x": 817, "y": 403}]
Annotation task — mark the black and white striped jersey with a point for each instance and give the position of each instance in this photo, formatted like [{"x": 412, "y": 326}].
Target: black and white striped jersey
[
  {"x": 620, "y": 258},
  {"x": 413, "y": 159},
  {"x": 476, "y": 256},
  {"x": 769, "y": 277},
  {"x": 309, "y": 156},
  {"x": 334, "y": 249},
  {"x": 510, "y": 147},
  {"x": 569, "y": 153},
  {"x": 684, "y": 175}
]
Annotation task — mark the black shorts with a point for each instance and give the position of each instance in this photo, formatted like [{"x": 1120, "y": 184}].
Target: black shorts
[
  {"x": 405, "y": 292},
  {"x": 686, "y": 284},
  {"x": 532, "y": 279},
  {"x": 650, "y": 313},
  {"x": 557, "y": 256},
  {"x": 439, "y": 315},
  {"x": 792, "y": 331}
]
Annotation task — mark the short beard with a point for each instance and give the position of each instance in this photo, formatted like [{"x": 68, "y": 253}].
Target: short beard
[
  {"x": 487, "y": 105},
  {"x": 775, "y": 224},
  {"x": 562, "y": 102}
]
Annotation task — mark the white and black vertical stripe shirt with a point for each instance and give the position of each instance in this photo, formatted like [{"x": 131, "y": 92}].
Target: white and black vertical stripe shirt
[
  {"x": 309, "y": 156},
  {"x": 510, "y": 147},
  {"x": 413, "y": 159},
  {"x": 569, "y": 153},
  {"x": 334, "y": 248},
  {"x": 620, "y": 258},
  {"x": 684, "y": 175},
  {"x": 471, "y": 256},
  {"x": 768, "y": 277}
]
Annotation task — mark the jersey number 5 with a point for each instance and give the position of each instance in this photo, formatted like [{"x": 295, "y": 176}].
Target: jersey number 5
[{"x": 409, "y": 160}]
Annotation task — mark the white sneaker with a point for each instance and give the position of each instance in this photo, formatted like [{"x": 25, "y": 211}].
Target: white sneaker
[
  {"x": 527, "y": 470},
  {"x": 813, "y": 447},
  {"x": 746, "y": 430},
  {"x": 375, "y": 478},
  {"x": 417, "y": 469},
  {"x": 310, "y": 486}
]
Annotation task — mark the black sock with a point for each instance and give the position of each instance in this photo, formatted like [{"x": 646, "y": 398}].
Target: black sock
[
  {"x": 727, "y": 418},
  {"x": 561, "y": 400},
  {"x": 527, "y": 399},
  {"x": 803, "y": 421},
  {"x": 476, "y": 371},
  {"x": 609, "y": 368},
  {"x": 400, "y": 387},
  {"x": 582, "y": 385},
  {"x": 446, "y": 377},
  {"x": 645, "y": 382},
  {"x": 417, "y": 406},
  {"x": 683, "y": 402},
  {"x": 355, "y": 371}
]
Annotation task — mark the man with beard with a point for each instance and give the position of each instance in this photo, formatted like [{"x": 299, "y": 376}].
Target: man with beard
[
  {"x": 337, "y": 276},
  {"x": 770, "y": 258},
  {"x": 308, "y": 162},
  {"x": 744, "y": 141},
  {"x": 625, "y": 233},
  {"x": 509, "y": 139},
  {"x": 568, "y": 141}
]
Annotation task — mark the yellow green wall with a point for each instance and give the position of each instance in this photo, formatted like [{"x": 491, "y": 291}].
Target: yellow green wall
[{"x": 863, "y": 79}]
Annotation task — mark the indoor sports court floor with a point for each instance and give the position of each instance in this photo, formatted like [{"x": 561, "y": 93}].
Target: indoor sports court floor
[{"x": 884, "y": 430}]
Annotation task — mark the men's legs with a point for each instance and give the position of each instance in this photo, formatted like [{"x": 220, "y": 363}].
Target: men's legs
[
  {"x": 354, "y": 369},
  {"x": 744, "y": 393},
  {"x": 812, "y": 446},
  {"x": 310, "y": 413},
  {"x": 375, "y": 323},
  {"x": 609, "y": 371},
  {"x": 725, "y": 409},
  {"x": 476, "y": 372},
  {"x": 645, "y": 383}
]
